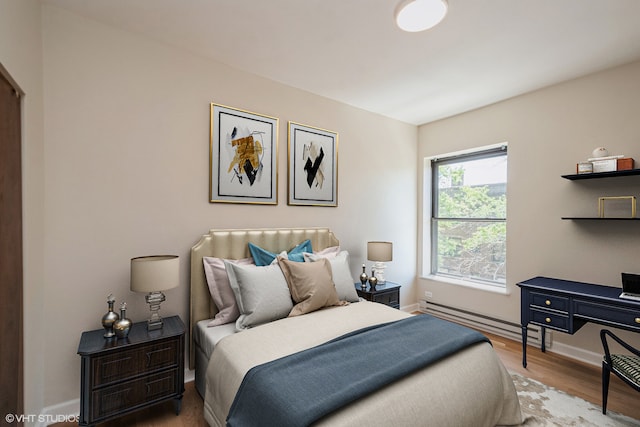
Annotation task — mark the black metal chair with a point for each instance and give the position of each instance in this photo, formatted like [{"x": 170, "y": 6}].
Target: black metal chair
[{"x": 626, "y": 367}]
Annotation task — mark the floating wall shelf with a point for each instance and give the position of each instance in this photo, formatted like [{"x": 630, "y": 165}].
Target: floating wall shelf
[
  {"x": 596, "y": 218},
  {"x": 595, "y": 175}
]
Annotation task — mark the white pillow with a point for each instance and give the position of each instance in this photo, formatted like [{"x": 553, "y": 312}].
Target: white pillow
[
  {"x": 329, "y": 252},
  {"x": 262, "y": 294},
  {"x": 345, "y": 286}
]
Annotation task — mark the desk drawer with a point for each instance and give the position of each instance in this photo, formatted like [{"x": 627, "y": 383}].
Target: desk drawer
[
  {"x": 550, "y": 320},
  {"x": 552, "y": 302},
  {"x": 629, "y": 319}
]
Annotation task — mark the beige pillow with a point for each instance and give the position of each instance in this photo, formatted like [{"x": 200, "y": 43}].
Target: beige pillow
[
  {"x": 310, "y": 284},
  {"x": 340, "y": 273}
]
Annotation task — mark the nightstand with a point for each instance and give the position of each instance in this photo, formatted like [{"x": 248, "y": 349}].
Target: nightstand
[
  {"x": 388, "y": 294},
  {"x": 123, "y": 375}
]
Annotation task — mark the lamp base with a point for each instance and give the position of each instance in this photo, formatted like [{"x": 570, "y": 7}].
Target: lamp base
[
  {"x": 153, "y": 325},
  {"x": 379, "y": 267},
  {"x": 154, "y": 299}
]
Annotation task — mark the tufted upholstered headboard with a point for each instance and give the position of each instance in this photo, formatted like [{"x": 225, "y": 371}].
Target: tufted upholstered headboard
[{"x": 233, "y": 244}]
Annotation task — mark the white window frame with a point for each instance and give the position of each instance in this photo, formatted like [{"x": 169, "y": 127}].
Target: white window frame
[{"x": 427, "y": 229}]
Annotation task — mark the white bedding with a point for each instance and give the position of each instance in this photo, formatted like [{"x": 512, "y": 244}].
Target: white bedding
[
  {"x": 470, "y": 388},
  {"x": 208, "y": 337},
  {"x": 205, "y": 339}
]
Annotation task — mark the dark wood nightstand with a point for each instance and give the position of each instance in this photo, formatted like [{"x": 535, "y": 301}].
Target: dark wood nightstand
[
  {"x": 119, "y": 376},
  {"x": 388, "y": 294}
]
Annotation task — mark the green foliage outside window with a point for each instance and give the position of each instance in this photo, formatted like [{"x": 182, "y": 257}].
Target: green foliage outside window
[{"x": 471, "y": 227}]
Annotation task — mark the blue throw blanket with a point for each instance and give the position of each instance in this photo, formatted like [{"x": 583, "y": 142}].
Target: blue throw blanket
[{"x": 301, "y": 388}]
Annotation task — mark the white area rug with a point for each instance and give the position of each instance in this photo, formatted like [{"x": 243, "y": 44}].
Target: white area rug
[{"x": 544, "y": 406}]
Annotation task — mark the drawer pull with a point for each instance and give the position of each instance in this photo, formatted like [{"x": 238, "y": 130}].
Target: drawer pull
[
  {"x": 548, "y": 320},
  {"x": 637, "y": 319},
  {"x": 547, "y": 302}
]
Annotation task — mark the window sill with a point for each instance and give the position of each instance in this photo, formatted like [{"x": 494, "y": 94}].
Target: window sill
[{"x": 469, "y": 284}]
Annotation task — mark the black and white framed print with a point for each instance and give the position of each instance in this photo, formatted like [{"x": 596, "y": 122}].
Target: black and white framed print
[{"x": 313, "y": 166}]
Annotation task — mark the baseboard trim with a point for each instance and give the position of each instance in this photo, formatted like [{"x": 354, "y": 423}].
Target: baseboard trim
[
  {"x": 582, "y": 355},
  {"x": 70, "y": 410},
  {"x": 189, "y": 375},
  {"x": 411, "y": 308},
  {"x": 61, "y": 412}
]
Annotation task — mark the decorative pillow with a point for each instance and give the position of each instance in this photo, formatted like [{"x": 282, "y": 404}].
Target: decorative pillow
[
  {"x": 262, "y": 293},
  {"x": 310, "y": 284},
  {"x": 341, "y": 274},
  {"x": 329, "y": 252},
  {"x": 263, "y": 257},
  {"x": 220, "y": 289}
]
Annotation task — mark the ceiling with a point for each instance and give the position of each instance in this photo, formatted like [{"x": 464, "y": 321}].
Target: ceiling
[{"x": 351, "y": 51}]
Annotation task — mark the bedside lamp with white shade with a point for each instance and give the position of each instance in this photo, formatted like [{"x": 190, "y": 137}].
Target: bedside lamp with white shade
[
  {"x": 154, "y": 274},
  {"x": 379, "y": 252}
]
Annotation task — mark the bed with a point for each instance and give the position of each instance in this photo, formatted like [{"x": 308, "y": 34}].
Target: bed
[{"x": 445, "y": 392}]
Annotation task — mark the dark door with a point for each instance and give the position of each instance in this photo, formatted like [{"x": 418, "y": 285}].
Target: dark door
[{"x": 11, "y": 391}]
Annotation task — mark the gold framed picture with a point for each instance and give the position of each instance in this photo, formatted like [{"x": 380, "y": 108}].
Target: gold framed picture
[
  {"x": 312, "y": 166},
  {"x": 243, "y": 156}
]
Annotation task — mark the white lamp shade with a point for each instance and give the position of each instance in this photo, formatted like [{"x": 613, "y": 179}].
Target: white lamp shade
[
  {"x": 380, "y": 251},
  {"x": 155, "y": 273}
]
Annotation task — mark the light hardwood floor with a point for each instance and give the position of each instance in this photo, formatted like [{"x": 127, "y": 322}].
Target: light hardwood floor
[{"x": 573, "y": 377}]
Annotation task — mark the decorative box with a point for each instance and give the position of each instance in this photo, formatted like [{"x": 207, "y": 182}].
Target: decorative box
[
  {"x": 584, "y": 167},
  {"x": 625, "y": 164},
  {"x": 606, "y": 165}
]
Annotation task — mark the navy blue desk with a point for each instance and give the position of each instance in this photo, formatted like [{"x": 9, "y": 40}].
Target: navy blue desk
[{"x": 565, "y": 306}]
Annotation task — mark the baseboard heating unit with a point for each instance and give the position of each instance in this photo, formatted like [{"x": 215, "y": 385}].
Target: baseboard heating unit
[{"x": 490, "y": 324}]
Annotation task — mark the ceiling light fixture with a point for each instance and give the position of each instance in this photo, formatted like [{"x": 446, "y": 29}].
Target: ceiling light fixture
[{"x": 420, "y": 15}]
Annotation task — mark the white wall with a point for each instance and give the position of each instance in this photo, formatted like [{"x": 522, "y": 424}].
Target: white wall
[
  {"x": 21, "y": 56},
  {"x": 127, "y": 169},
  {"x": 548, "y": 131}
]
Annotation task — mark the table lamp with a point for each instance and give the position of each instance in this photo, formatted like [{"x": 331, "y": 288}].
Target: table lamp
[
  {"x": 154, "y": 274},
  {"x": 379, "y": 252}
]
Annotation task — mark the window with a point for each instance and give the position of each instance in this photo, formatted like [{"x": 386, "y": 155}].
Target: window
[{"x": 469, "y": 216}]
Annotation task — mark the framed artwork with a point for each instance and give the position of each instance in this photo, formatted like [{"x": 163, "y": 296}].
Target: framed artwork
[
  {"x": 243, "y": 156},
  {"x": 313, "y": 166}
]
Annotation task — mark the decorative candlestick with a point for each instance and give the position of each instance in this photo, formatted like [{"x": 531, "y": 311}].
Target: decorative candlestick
[
  {"x": 109, "y": 318},
  {"x": 364, "y": 277},
  {"x": 122, "y": 325},
  {"x": 373, "y": 280}
]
